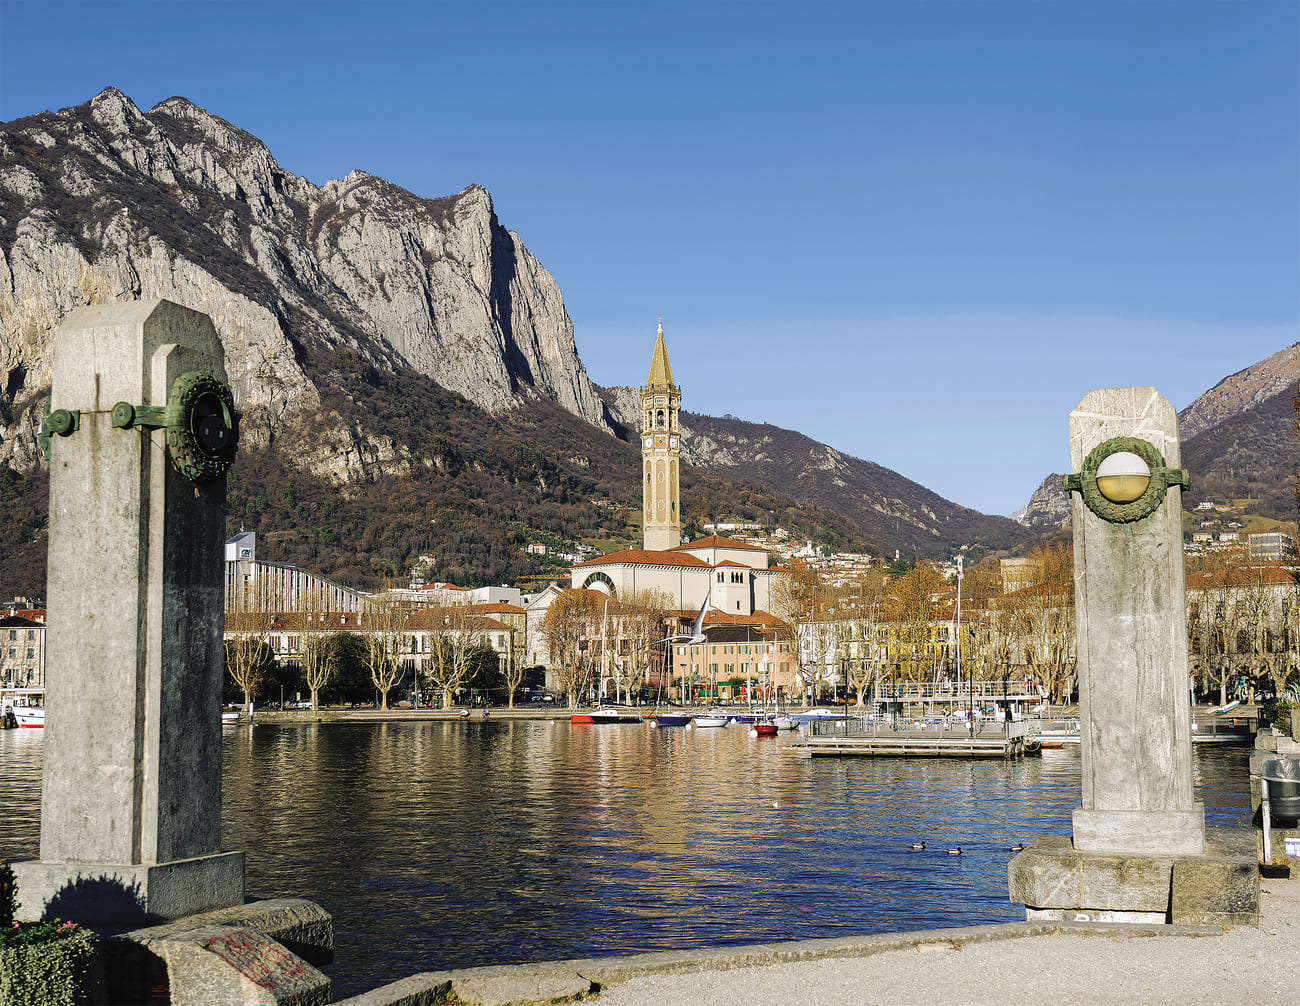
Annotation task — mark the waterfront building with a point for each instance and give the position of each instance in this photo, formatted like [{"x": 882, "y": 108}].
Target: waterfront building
[
  {"x": 22, "y": 650},
  {"x": 253, "y": 584}
]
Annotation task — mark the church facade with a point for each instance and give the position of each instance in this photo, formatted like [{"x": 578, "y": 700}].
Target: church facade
[{"x": 735, "y": 577}]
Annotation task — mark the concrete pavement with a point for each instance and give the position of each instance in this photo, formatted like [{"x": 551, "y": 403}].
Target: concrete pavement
[{"x": 1026, "y": 963}]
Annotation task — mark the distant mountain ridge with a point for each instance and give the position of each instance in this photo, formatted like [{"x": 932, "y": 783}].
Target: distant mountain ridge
[
  {"x": 892, "y": 510},
  {"x": 1237, "y": 443},
  {"x": 360, "y": 321}
]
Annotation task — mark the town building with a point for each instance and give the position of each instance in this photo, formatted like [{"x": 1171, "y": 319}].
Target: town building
[
  {"x": 22, "y": 650},
  {"x": 1270, "y": 546},
  {"x": 254, "y": 584}
]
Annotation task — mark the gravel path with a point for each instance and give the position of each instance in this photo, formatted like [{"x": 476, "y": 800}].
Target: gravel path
[{"x": 1244, "y": 965}]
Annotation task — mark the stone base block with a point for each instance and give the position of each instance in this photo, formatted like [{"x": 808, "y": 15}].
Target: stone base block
[
  {"x": 242, "y": 955},
  {"x": 1056, "y": 881},
  {"x": 113, "y": 896},
  {"x": 1136, "y": 832}
]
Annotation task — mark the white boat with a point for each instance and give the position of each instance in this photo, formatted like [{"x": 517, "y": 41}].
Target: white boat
[
  {"x": 819, "y": 713},
  {"x": 784, "y": 722},
  {"x": 28, "y": 716},
  {"x": 229, "y": 717},
  {"x": 710, "y": 721},
  {"x": 608, "y": 714}
]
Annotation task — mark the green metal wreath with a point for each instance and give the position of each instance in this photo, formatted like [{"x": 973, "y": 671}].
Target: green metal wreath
[
  {"x": 202, "y": 426},
  {"x": 1162, "y": 478}
]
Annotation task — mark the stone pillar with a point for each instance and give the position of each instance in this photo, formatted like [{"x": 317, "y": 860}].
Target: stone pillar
[
  {"x": 131, "y": 800},
  {"x": 1131, "y": 610}
]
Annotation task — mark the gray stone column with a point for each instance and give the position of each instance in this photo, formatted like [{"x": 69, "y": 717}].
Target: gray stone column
[
  {"x": 131, "y": 801},
  {"x": 1135, "y": 719}
]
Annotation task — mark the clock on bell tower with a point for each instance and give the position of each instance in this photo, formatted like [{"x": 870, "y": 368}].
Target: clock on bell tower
[{"x": 661, "y": 401}]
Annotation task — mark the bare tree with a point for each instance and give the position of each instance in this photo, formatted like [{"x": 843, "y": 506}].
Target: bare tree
[
  {"x": 567, "y": 627},
  {"x": 453, "y": 635},
  {"x": 317, "y": 647},
  {"x": 249, "y": 655},
  {"x": 381, "y": 624},
  {"x": 1040, "y": 621},
  {"x": 798, "y": 599},
  {"x": 637, "y": 619},
  {"x": 513, "y": 672}
]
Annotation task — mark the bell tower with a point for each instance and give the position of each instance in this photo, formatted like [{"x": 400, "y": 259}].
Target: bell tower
[{"x": 661, "y": 401}]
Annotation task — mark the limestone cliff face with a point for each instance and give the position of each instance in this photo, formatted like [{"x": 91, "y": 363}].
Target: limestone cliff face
[
  {"x": 1048, "y": 507},
  {"x": 101, "y": 202}
]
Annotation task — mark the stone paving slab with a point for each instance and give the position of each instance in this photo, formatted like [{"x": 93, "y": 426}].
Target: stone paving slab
[{"x": 548, "y": 982}]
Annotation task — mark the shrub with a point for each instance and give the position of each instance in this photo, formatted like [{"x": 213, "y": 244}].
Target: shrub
[
  {"x": 8, "y": 896},
  {"x": 1277, "y": 713},
  {"x": 42, "y": 963},
  {"x": 46, "y": 964}
]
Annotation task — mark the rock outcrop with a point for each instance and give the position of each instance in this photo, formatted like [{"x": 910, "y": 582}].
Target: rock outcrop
[
  {"x": 102, "y": 202},
  {"x": 1241, "y": 391},
  {"x": 1048, "y": 507}
]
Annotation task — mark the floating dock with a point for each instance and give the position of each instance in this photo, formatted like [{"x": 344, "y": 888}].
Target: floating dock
[{"x": 899, "y": 745}]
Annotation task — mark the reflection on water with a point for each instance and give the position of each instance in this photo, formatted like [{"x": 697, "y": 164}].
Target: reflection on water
[{"x": 450, "y": 844}]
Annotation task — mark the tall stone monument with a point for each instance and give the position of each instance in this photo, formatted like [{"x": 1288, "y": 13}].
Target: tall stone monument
[
  {"x": 1131, "y": 611},
  {"x": 1140, "y": 851},
  {"x": 140, "y": 431}
]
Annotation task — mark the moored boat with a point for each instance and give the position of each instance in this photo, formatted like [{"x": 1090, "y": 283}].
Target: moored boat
[
  {"x": 605, "y": 714},
  {"x": 670, "y": 719},
  {"x": 765, "y": 728},
  {"x": 28, "y": 716},
  {"x": 710, "y": 721},
  {"x": 818, "y": 714}
]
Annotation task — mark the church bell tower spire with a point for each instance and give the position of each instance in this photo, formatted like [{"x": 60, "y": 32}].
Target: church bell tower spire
[{"x": 661, "y": 401}]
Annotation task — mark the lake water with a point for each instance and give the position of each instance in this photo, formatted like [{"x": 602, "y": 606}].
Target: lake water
[{"x": 441, "y": 844}]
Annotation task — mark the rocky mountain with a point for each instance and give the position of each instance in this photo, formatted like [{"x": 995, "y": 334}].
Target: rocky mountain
[
  {"x": 102, "y": 202},
  {"x": 1241, "y": 392},
  {"x": 1237, "y": 444},
  {"x": 1048, "y": 508},
  {"x": 891, "y": 510}
]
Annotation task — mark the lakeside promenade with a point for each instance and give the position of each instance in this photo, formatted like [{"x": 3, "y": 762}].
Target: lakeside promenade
[{"x": 1070, "y": 964}]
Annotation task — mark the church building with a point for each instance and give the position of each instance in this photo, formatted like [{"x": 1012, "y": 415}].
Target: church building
[{"x": 734, "y": 576}]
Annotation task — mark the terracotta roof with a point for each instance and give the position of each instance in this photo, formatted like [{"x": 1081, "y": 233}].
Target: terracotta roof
[
  {"x": 717, "y": 541},
  {"x": 466, "y": 620},
  {"x": 18, "y": 622},
  {"x": 731, "y": 562},
  {"x": 640, "y": 556}
]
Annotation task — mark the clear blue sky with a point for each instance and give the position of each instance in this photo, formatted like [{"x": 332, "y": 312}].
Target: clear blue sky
[{"x": 918, "y": 231}]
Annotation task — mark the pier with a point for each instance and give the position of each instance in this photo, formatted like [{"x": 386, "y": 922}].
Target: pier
[
  {"x": 918, "y": 745},
  {"x": 861, "y": 738}
]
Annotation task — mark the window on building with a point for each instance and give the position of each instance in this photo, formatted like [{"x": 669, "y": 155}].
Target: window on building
[
  {"x": 31, "y": 633},
  {"x": 31, "y": 653},
  {"x": 713, "y": 668},
  {"x": 13, "y": 633}
]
